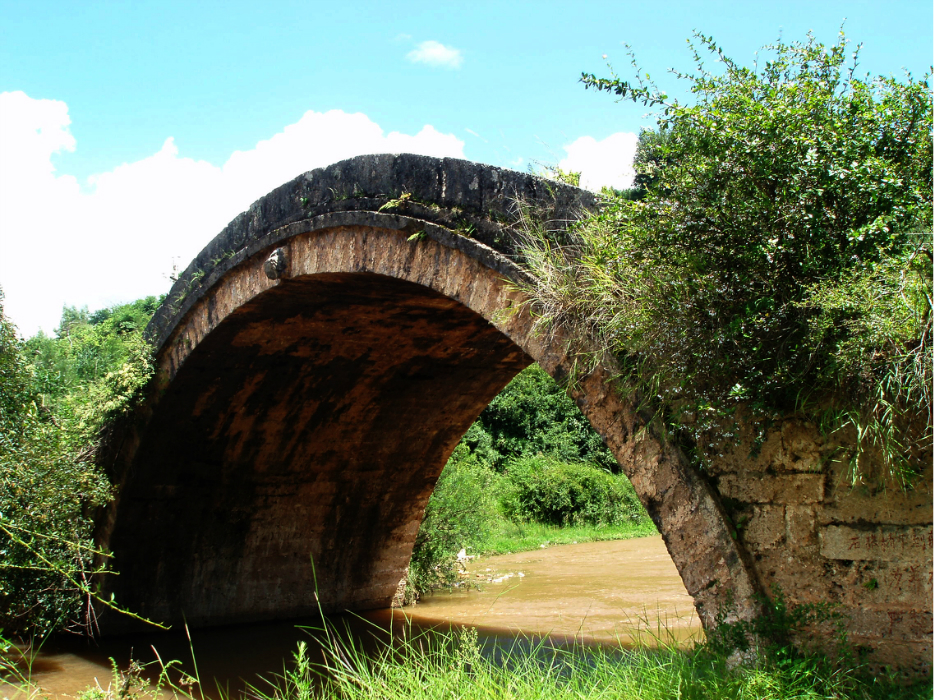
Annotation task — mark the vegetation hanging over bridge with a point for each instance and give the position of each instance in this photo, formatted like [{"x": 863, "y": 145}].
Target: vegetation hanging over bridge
[{"x": 775, "y": 253}]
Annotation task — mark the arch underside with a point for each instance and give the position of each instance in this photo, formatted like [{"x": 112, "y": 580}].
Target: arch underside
[{"x": 311, "y": 424}]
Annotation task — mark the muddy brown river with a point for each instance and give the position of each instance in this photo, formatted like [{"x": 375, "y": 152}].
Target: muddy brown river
[{"x": 593, "y": 593}]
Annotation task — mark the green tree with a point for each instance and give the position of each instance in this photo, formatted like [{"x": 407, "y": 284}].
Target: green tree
[
  {"x": 86, "y": 347},
  {"x": 765, "y": 204},
  {"x": 55, "y": 395},
  {"x": 533, "y": 415},
  {"x": 15, "y": 394}
]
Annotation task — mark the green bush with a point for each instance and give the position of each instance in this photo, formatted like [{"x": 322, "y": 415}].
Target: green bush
[
  {"x": 776, "y": 254},
  {"x": 546, "y": 490},
  {"x": 460, "y": 513},
  {"x": 532, "y": 415},
  {"x": 55, "y": 395}
]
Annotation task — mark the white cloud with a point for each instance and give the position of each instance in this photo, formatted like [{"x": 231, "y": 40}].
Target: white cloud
[
  {"x": 434, "y": 53},
  {"x": 607, "y": 162},
  {"x": 116, "y": 240}
]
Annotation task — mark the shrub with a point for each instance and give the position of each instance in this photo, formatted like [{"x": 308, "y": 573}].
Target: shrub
[
  {"x": 51, "y": 410},
  {"x": 546, "y": 490},
  {"x": 532, "y": 415},
  {"x": 458, "y": 515},
  {"x": 777, "y": 252}
]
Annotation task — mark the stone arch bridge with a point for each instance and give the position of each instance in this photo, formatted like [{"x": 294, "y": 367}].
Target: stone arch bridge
[{"x": 320, "y": 359}]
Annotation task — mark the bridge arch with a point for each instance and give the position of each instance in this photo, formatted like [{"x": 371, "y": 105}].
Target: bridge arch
[{"x": 317, "y": 364}]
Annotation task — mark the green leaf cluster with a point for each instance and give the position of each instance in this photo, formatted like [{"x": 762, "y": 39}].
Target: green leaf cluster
[
  {"x": 534, "y": 415},
  {"x": 55, "y": 396},
  {"x": 775, "y": 252},
  {"x": 85, "y": 349},
  {"x": 547, "y": 490}
]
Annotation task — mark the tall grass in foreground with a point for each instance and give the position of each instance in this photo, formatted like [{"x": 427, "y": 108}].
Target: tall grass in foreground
[
  {"x": 436, "y": 664},
  {"x": 457, "y": 665}
]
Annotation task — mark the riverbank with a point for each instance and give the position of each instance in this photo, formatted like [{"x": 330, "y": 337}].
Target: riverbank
[
  {"x": 600, "y": 620},
  {"x": 510, "y": 537},
  {"x": 457, "y": 666},
  {"x": 591, "y": 594}
]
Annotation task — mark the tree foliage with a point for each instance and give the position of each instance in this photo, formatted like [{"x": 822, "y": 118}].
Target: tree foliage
[
  {"x": 55, "y": 395},
  {"x": 86, "y": 347},
  {"x": 777, "y": 251},
  {"x": 533, "y": 415}
]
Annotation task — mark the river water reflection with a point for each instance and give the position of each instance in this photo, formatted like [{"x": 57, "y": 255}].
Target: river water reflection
[{"x": 594, "y": 593}]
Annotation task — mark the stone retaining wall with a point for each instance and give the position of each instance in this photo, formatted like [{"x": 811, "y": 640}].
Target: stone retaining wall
[{"x": 820, "y": 538}]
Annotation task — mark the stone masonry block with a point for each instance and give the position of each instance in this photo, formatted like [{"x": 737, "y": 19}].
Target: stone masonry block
[
  {"x": 765, "y": 528},
  {"x": 802, "y": 579},
  {"x": 785, "y": 489},
  {"x": 883, "y": 584},
  {"x": 800, "y": 526},
  {"x": 893, "y": 506},
  {"x": 800, "y": 447},
  {"x": 883, "y": 543},
  {"x": 894, "y": 625}
]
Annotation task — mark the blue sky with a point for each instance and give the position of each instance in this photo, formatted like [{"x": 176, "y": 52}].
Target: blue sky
[{"x": 133, "y": 113}]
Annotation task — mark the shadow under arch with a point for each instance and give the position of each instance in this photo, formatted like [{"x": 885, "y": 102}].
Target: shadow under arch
[{"x": 317, "y": 364}]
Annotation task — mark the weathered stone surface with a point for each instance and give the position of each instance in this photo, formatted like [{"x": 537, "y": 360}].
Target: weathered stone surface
[
  {"x": 885, "y": 584},
  {"x": 800, "y": 526},
  {"x": 881, "y": 543},
  {"x": 863, "y": 546},
  {"x": 799, "y": 447},
  {"x": 765, "y": 527},
  {"x": 849, "y": 504},
  {"x": 763, "y": 488},
  {"x": 310, "y": 424},
  {"x": 276, "y": 264}
]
